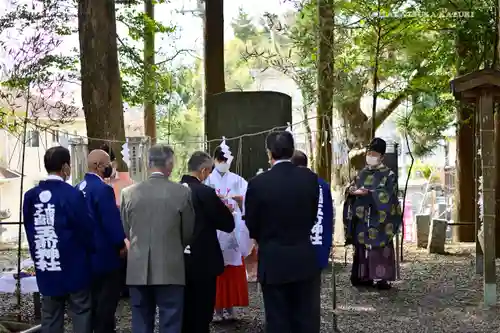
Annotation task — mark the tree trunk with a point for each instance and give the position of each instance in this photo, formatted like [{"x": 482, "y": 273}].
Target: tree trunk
[
  {"x": 465, "y": 202},
  {"x": 214, "y": 57},
  {"x": 323, "y": 156},
  {"x": 101, "y": 87},
  {"x": 149, "y": 82},
  {"x": 465, "y": 168},
  {"x": 309, "y": 134}
]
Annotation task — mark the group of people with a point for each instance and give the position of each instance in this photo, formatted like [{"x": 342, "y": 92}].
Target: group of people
[{"x": 184, "y": 244}]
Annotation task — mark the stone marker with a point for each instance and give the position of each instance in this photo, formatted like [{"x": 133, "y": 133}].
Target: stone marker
[
  {"x": 437, "y": 236},
  {"x": 422, "y": 224}
]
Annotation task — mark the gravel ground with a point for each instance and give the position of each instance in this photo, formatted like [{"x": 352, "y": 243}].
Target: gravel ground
[{"x": 437, "y": 294}]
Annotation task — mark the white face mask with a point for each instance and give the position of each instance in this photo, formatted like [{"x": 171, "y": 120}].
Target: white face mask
[
  {"x": 372, "y": 160},
  {"x": 222, "y": 167}
]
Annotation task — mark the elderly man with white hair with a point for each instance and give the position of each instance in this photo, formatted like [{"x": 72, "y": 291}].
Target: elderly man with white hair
[{"x": 158, "y": 219}]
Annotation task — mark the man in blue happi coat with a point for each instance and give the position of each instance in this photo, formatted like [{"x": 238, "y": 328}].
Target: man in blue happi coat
[
  {"x": 372, "y": 216},
  {"x": 59, "y": 230},
  {"x": 322, "y": 231},
  {"x": 109, "y": 238}
]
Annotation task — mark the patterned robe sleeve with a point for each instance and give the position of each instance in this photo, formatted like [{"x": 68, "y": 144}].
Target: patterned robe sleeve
[{"x": 387, "y": 204}]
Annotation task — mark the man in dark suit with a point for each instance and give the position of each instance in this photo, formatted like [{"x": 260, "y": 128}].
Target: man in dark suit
[
  {"x": 280, "y": 209},
  {"x": 203, "y": 257}
]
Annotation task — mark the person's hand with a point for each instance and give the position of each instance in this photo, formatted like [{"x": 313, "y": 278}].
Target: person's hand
[
  {"x": 361, "y": 192},
  {"x": 238, "y": 199},
  {"x": 230, "y": 207},
  {"x": 127, "y": 244},
  {"x": 123, "y": 252}
]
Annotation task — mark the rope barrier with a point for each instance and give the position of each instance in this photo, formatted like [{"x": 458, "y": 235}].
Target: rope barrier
[{"x": 50, "y": 130}]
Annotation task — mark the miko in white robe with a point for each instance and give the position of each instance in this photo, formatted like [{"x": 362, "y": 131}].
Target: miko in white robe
[{"x": 232, "y": 285}]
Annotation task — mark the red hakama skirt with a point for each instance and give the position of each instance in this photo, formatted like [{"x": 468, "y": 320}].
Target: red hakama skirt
[{"x": 232, "y": 288}]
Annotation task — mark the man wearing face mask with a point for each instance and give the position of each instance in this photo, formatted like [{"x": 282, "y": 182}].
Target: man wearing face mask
[
  {"x": 372, "y": 215},
  {"x": 232, "y": 285},
  {"x": 203, "y": 257},
  {"x": 109, "y": 237},
  {"x": 118, "y": 181}
]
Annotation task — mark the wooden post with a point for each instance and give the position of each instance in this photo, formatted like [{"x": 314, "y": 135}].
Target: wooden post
[
  {"x": 79, "y": 154},
  {"x": 482, "y": 88},
  {"x": 487, "y": 138}
]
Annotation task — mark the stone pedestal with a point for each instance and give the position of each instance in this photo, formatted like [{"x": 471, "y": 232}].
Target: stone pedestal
[
  {"x": 422, "y": 224},
  {"x": 437, "y": 236}
]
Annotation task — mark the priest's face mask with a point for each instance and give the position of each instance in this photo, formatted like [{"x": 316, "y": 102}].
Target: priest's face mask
[
  {"x": 222, "y": 166},
  {"x": 373, "y": 158},
  {"x": 104, "y": 169}
]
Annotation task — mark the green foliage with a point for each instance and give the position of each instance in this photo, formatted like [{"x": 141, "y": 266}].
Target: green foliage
[
  {"x": 423, "y": 170},
  {"x": 237, "y": 71},
  {"x": 243, "y": 27},
  {"x": 463, "y": 45},
  {"x": 184, "y": 129},
  {"x": 180, "y": 122},
  {"x": 133, "y": 69}
]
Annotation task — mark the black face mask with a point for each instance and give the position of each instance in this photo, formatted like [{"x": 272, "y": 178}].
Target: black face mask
[{"x": 108, "y": 171}]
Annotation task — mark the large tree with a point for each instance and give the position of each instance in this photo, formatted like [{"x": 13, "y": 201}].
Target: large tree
[
  {"x": 324, "y": 121},
  {"x": 149, "y": 63},
  {"x": 100, "y": 75},
  {"x": 214, "y": 56}
]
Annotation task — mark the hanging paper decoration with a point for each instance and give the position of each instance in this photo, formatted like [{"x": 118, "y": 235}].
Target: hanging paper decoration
[
  {"x": 225, "y": 149},
  {"x": 480, "y": 200},
  {"x": 289, "y": 128},
  {"x": 125, "y": 154}
]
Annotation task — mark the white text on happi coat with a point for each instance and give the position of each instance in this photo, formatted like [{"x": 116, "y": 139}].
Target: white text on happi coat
[
  {"x": 317, "y": 229},
  {"x": 46, "y": 251}
]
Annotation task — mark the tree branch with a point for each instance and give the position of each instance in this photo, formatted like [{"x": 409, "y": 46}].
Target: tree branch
[
  {"x": 174, "y": 56},
  {"x": 383, "y": 114},
  {"x": 131, "y": 51}
]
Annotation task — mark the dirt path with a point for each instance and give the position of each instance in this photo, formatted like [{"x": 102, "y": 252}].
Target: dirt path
[{"x": 437, "y": 294}]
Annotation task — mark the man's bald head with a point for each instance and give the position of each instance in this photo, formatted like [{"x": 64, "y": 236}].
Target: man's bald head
[{"x": 98, "y": 161}]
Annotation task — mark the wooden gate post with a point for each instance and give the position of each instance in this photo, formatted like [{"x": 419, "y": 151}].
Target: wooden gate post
[{"x": 482, "y": 88}]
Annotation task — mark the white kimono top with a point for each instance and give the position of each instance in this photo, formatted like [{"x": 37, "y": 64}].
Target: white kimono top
[{"x": 236, "y": 244}]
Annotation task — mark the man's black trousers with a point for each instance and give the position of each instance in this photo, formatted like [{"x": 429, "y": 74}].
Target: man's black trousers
[
  {"x": 106, "y": 291},
  {"x": 199, "y": 303},
  {"x": 293, "y": 307}
]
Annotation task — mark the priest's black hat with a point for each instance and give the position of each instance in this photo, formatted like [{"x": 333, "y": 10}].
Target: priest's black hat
[{"x": 377, "y": 145}]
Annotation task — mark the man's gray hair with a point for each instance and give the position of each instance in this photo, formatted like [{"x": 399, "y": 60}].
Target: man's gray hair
[
  {"x": 160, "y": 155},
  {"x": 199, "y": 160}
]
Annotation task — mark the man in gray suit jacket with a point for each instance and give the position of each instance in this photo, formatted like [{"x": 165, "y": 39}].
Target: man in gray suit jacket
[{"x": 158, "y": 219}]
